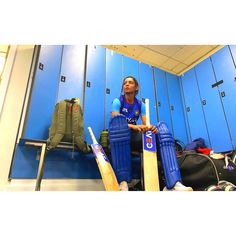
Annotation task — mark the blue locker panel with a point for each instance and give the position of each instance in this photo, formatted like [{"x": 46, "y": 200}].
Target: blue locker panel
[
  {"x": 162, "y": 97},
  {"x": 176, "y": 107},
  {"x": 225, "y": 70},
  {"x": 94, "y": 104},
  {"x": 113, "y": 80},
  {"x": 194, "y": 111},
  {"x": 131, "y": 67},
  {"x": 233, "y": 52},
  {"x": 43, "y": 98},
  {"x": 72, "y": 73},
  {"x": 148, "y": 90},
  {"x": 214, "y": 115}
]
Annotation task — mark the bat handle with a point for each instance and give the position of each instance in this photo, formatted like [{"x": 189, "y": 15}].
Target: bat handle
[
  {"x": 147, "y": 112},
  {"x": 92, "y": 135}
]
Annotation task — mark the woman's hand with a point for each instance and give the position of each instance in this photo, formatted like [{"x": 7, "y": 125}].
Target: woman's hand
[
  {"x": 139, "y": 128},
  {"x": 153, "y": 128}
]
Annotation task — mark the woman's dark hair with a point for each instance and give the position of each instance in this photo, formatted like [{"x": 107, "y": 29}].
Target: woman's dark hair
[{"x": 135, "y": 81}]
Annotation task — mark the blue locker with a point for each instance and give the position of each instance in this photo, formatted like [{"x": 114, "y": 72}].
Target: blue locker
[
  {"x": 214, "y": 115},
  {"x": 43, "y": 98},
  {"x": 233, "y": 52},
  {"x": 176, "y": 107},
  {"x": 148, "y": 90},
  {"x": 71, "y": 82},
  {"x": 113, "y": 81},
  {"x": 194, "y": 111},
  {"x": 225, "y": 70},
  {"x": 162, "y": 97},
  {"x": 94, "y": 104},
  {"x": 131, "y": 67}
]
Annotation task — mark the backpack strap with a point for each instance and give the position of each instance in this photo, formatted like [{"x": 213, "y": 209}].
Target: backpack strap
[
  {"x": 78, "y": 126},
  {"x": 57, "y": 129}
]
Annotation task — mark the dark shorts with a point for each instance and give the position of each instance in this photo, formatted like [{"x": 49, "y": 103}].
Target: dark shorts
[{"x": 136, "y": 142}]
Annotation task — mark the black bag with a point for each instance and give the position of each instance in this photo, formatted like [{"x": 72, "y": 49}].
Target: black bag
[{"x": 200, "y": 171}]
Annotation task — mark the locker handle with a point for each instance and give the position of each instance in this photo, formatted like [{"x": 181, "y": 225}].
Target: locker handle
[
  {"x": 188, "y": 109},
  {"x": 88, "y": 84},
  {"x": 203, "y": 102},
  {"x": 217, "y": 83},
  {"x": 41, "y": 65},
  {"x": 143, "y": 100},
  {"x": 222, "y": 94},
  {"x": 108, "y": 91},
  {"x": 63, "y": 78},
  {"x": 171, "y": 108},
  {"x": 159, "y": 104}
]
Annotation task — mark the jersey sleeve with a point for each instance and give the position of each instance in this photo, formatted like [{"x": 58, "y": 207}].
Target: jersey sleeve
[
  {"x": 143, "y": 109},
  {"x": 116, "y": 105}
]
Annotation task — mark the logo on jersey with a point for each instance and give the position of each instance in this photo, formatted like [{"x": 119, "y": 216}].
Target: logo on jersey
[
  {"x": 137, "y": 112},
  {"x": 125, "y": 110},
  {"x": 149, "y": 141}
]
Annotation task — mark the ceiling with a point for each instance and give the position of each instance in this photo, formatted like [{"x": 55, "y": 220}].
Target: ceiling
[
  {"x": 175, "y": 59},
  {"x": 3, "y": 48}
]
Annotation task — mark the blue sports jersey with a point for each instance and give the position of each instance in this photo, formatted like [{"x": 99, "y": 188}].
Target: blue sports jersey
[{"x": 130, "y": 111}]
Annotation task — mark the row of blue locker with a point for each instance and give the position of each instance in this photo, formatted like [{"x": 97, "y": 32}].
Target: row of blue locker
[
  {"x": 94, "y": 74},
  {"x": 209, "y": 92}
]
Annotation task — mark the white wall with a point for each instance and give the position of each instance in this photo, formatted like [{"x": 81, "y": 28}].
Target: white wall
[{"x": 12, "y": 107}]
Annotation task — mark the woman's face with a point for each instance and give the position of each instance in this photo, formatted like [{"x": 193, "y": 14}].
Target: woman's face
[{"x": 129, "y": 86}]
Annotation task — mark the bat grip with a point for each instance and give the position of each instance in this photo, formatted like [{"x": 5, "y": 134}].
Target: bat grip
[
  {"x": 92, "y": 135},
  {"x": 147, "y": 112}
]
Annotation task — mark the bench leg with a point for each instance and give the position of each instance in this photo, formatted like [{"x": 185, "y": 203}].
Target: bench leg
[{"x": 40, "y": 168}]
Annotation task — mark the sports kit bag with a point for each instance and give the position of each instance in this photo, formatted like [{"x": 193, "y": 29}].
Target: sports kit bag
[{"x": 200, "y": 171}]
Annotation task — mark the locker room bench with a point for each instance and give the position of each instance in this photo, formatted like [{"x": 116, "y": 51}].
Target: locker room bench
[{"x": 41, "y": 145}]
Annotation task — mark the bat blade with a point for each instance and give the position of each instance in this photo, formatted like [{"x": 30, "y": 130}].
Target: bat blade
[
  {"x": 104, "y": 166},
  {"x": 150, "y": 167}
]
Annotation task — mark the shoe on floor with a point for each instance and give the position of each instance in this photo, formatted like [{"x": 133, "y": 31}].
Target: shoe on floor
[
  {"x": 178, "y": 187},
  {"x": 226, "y": 186},
  {"x": 124, "y": 186}
]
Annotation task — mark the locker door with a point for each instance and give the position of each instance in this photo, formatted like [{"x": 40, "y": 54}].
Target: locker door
[
  {"x": 148, "y": 89},
  {"x": 176, "y": 108},
  {"x": 225, "y": 70},
  {"x": 44, "y": 92},
  {"x": 214, "y": 114},
  {"x": 113, "y": 80},
  {"x": 72, "y": 73},
  {"x": 94, "y": 104},
  {"x": 131, "y": 67},
  {"x": 162, "y": 98},
  {"x": 195, "y": 115},
  {"x": 233, "y": 52}
]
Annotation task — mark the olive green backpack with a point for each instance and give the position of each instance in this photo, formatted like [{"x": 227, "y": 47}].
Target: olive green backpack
[{"x": 67, "y": 125}]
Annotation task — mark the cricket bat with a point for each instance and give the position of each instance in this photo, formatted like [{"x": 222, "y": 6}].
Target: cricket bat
[
  {"x": 150, "y": 168},
  {"x": 105, "y": 168}
]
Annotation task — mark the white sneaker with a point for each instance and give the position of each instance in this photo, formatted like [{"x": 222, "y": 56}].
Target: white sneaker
[
  {"x": 178, "y": 187},
  {"x": 124, "y": 186}
]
